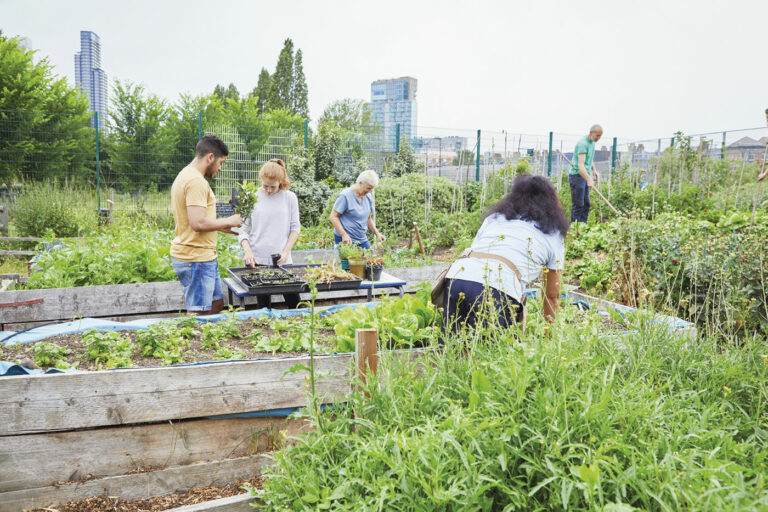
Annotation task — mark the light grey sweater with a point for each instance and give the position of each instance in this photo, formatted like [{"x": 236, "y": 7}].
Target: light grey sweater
[{"x": 273, "y": 219}]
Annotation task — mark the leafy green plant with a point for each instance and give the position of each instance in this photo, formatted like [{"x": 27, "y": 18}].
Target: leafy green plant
[
  {"x": 108, "y": 348},
  {"x": 247, "y": 198},
  {"x": 51, "y": 355},
  {"x": 400, "y": 322},
  {"x": 163, "y": 340}
]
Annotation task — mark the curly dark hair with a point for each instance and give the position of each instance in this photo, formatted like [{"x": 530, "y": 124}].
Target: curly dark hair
[{"x": 533, "y": 198}]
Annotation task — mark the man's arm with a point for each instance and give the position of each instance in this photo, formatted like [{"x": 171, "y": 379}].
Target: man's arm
[
  {"x": 595, "y": 174},
  {"x": 202, "y": 224},
  {"x": 582, "y": 159}
]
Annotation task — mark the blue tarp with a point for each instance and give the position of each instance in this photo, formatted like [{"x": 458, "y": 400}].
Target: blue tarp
[{"x": 85, "y": 324}]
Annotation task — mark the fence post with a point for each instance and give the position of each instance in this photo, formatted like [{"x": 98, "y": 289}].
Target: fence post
[
  {"x": 199, "y": 125},
  {"x": 658, "y": 148},
  {"x": 397, "y": 138},
  {"x": 722, "y": 148},
  {"x": 477, "y": 158},
  {"x": 306, "y": 134},
  {"x": 549, "y": 157},
  {"x": 98, "y": 169},
  {"x": 366, "y": 352},
  {"x": 613, "y": 156},
  {"x": 672, "y": 142}
]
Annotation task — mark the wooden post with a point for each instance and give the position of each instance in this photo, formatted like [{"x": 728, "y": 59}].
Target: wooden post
[
  {"x": 366, "y": 352},
  {"x": 4, "y": 215},
  {"x": 418, "y": 238}
]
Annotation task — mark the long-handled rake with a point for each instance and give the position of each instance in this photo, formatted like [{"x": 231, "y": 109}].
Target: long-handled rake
[{"x": 594, "y": 188}]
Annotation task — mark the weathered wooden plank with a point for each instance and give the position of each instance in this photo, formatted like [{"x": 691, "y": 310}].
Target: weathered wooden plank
[
  {"x": 44, "y": 403},
  {"x": 92, "y": 301},
  {"x": 20, "y": 239},
  {"x": 17, "y": 253},
  {"x": 39, "y": 460},
  {"x": 239, "y": 503},
  {"x": 140, "y": 485}
]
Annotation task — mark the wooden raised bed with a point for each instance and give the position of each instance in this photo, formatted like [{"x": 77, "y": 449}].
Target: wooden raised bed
[
  {"x": 69, "y": 436},
  {"x": 120, "y": 301}
]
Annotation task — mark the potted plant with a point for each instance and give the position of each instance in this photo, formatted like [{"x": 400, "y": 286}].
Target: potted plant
[
  {"x": 373, "y": 268},
  {"x": 349, "y": 252}
]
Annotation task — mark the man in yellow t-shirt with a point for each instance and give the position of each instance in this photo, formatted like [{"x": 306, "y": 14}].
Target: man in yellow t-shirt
[{"x": 193, "y": 250}]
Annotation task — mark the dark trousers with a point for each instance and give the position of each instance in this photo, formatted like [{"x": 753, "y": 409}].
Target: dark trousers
[
  {"x": 291, "y": 300},
  {"x": 463, "y": 303},
  {"x": 579, "y": 198}
]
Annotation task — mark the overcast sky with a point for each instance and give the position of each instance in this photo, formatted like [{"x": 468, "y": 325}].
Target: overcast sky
[{"x": 642, "y": 69}]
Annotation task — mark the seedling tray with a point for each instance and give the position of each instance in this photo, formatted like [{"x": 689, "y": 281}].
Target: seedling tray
[{"x": 269, "y": 280}]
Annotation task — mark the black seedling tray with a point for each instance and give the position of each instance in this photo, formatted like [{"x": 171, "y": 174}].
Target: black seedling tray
[{"x": 279, "y": 280}]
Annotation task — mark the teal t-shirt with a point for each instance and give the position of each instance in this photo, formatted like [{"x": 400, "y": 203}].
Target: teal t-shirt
[{"x": 583, "y": 146}]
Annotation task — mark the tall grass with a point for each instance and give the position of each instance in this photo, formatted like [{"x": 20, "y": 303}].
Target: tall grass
[{"x": 568, "y": 419}]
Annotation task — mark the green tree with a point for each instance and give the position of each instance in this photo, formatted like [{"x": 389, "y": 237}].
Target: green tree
[
  {"x": 228, "y": 93},
  {"x": 405, "y": 163},
  {"x": 349, "y": 114},
  {"x": 138, "y": 140},
  {"x": 281, "y": 92},
  {"x": 262, "y": 90},
  {"x": 299, "y": 93},
  {"x": 326, "y": 147},
  {"x": 44, "y": 121}
]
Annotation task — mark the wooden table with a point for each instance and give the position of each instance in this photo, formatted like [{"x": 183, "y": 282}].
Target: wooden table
[{"x": 237, "y": 293}]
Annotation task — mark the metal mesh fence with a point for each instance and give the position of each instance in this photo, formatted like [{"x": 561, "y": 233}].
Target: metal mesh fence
[{"x": 134, "y": 166}]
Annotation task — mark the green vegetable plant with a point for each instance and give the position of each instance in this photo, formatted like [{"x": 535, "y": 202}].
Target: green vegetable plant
[
  {"x": 247, "y": 198},
  {"x": 51, "y": 355},
  {"x": 108, "y": 349}
]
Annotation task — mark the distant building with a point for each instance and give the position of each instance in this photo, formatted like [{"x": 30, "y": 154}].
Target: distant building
[
  {"x": 393, "y": 103},
  {"x": 89, "y": 75},
  {"x": 747, "y": 149}
]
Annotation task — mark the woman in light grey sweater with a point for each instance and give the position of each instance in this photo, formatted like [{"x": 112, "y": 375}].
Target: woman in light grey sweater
[{"x": 274, "y": 225}]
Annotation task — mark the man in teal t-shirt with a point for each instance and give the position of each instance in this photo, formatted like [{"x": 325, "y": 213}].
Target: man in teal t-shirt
[{"x": 579, "y": 174}]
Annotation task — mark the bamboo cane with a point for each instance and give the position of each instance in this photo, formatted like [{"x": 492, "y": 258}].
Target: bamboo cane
[{"x": 594, "y": 188}]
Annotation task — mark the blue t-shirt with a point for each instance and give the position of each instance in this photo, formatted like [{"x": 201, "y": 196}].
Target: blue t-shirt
[{"x": 354, "y": 214}]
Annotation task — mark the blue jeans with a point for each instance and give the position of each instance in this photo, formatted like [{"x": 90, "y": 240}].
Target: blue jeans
[
  {"x": 365, "y": 244},
  {"x": 463, "y": 300},
  {"x": 579, "y": 198},
  {"x": 201, "y": 283}
]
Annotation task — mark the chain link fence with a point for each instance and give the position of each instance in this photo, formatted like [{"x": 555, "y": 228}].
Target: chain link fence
[{"x": 134, "y": 166}]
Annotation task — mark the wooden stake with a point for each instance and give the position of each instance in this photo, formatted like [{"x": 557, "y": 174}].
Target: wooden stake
[
  {"x": 366, "y": 352},
  {"x": 418, "y": 238}
]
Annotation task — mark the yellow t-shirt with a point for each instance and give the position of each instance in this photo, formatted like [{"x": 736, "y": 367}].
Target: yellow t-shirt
[{"x": 191, "y": 189}]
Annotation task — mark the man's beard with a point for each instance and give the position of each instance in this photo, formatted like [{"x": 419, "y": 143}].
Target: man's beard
[{"x": 210, "y": 171}]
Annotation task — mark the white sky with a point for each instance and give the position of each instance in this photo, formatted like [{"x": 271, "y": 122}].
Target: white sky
[{"x": 642, "y": 69}]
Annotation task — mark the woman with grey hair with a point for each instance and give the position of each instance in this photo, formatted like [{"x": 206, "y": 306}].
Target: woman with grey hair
[{"x": 352, "y": 214}]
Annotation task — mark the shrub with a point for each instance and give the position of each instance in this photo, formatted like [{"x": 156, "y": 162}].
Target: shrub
[{"x": 65, "y": 210}]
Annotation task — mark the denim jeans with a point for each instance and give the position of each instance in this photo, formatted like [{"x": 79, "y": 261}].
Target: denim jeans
[
  {"x": 579, "y": 198},
  {"x": 201, "y": 283}
]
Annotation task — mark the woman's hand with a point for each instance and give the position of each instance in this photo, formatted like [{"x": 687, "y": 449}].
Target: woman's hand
[
  {"x": 346, "y": 239},
  {"x": 381, "y": 237},
  {"x": 283, "y": 258},
  {"x": 249, "y": 260}
]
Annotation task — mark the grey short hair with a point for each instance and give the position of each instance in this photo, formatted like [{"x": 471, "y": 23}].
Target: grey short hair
[{"x": 368, "y": 177}]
